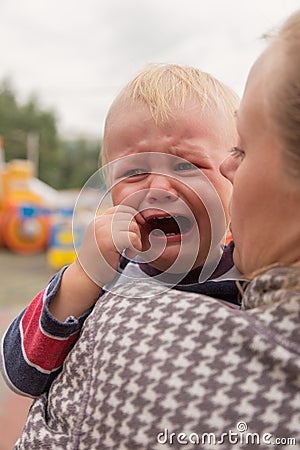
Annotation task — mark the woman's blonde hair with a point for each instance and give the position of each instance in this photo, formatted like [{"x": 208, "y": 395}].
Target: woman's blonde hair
[
  {"x": 285, "y": 98},
  {"x": 163, "y": 87}
]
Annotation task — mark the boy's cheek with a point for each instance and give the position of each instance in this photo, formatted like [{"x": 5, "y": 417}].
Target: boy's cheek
[
  {"x": 114, "y": 198},
  {"x": 119, "y": 197},
  {"x": 123, "y": 195}
]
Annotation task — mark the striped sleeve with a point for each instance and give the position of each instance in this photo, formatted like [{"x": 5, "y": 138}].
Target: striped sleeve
[{"x": 35, "y": 345}]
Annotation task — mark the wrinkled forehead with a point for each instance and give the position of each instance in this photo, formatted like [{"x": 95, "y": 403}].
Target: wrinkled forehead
[
  {"x": 192, "y": 133},
  {"x": 149, "y": 160},
  {"x": 160, "y": 108},
  {"x": 126, "y": 114}
]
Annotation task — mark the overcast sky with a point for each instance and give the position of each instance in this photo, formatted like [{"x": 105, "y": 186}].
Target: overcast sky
[{"x": 77, "y": 55}]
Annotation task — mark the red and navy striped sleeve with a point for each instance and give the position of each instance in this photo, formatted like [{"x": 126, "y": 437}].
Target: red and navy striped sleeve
[{"x": 35, "y": 345}]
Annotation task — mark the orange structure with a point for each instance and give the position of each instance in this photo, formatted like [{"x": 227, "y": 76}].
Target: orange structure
[{"x": 21, "y": 234}]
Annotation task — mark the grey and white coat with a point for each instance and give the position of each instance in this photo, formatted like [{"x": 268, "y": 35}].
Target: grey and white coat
[{"x": 176, "y": 362}]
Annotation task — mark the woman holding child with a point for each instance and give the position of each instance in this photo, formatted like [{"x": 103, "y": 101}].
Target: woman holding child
[{"x": 182, "y": 369}]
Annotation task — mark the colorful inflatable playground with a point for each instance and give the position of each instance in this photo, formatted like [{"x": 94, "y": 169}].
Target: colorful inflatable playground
[{"x": 34, "y": 217}]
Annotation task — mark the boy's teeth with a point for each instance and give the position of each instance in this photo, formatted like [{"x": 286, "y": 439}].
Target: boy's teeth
[
  {"x": 169, "y": 225},
  {"x": 156, "y": 232},
  {"x": 159, "y": 233}
]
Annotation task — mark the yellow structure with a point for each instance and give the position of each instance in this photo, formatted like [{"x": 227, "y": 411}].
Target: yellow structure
[
  {"x": 21, "y": 234},
  {"x": 35, "y": 217},
  {"x": 61, "y": 250}
]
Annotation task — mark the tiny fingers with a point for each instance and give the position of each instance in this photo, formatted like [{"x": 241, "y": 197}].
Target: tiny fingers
[
  {"x": 129, "y": 212},
  {"x": 135, "y": 242}
]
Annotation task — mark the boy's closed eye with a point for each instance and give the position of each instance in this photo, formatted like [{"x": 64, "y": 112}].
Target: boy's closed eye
[
  {"x": 131, "y": 173},
  {"x": 183, "y": 166}
]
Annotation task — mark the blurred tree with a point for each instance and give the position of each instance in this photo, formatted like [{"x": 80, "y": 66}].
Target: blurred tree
[
  {"x": 18, "y": 121},
  {"x": 80, "y": 161},
  {"x": 62, "y": 164}
]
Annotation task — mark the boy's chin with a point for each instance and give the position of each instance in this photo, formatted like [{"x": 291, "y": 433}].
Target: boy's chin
[{"x": 171, "y": 263}]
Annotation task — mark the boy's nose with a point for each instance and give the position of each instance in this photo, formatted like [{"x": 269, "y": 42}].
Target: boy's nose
[
  {"x": 161, "y": 189},
  {"x": 228, "y": 167}
]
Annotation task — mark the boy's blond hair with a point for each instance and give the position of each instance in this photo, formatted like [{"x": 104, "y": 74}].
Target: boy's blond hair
[{"x": 163, "y": 87}]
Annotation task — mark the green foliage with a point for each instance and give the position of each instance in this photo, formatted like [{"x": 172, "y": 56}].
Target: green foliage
[
  {"x": 79, "y": 161},
  {"x": 62, "y": 164}
]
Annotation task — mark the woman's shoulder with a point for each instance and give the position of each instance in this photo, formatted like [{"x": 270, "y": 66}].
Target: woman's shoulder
[{"x": 271, "y": 286}]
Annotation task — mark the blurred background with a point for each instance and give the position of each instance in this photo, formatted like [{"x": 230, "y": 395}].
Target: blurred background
[{"x": 61, "y": 65}]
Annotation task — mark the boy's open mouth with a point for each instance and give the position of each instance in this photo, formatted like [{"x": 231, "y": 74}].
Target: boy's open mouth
[{"x": 169, "y": 225}]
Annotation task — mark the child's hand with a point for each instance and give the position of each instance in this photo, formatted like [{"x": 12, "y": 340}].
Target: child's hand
[
  {"x": 98, "y": 258},
  {"x": 105, "y": 239}
]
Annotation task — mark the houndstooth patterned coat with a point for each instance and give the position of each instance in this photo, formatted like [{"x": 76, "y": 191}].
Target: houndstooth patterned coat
[{"x": 179, "y": 370}]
